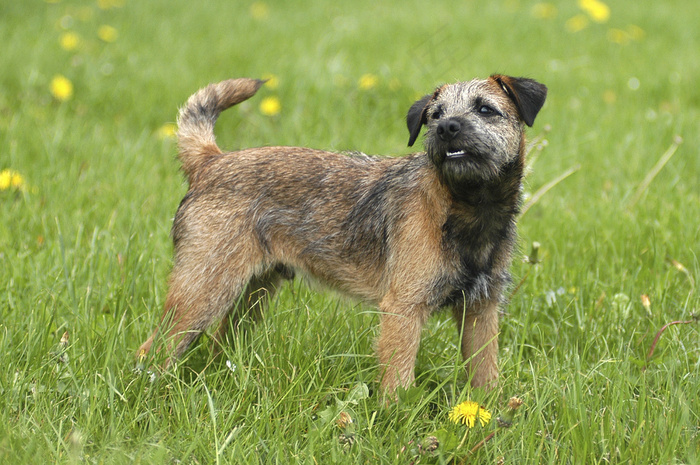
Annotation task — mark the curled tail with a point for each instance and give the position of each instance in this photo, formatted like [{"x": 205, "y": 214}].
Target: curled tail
[{"x": 195, "y": 132}]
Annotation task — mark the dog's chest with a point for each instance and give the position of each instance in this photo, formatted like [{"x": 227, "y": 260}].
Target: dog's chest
[{"x": 477, "y": 244}]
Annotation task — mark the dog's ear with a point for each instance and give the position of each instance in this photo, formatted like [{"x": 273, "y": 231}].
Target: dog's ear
[
  {"x": 527, "y": 94},
  {"x": 416, "y": 118}
]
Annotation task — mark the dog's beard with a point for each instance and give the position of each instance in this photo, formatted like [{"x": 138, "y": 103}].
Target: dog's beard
[{"x": 462, "y": 162}]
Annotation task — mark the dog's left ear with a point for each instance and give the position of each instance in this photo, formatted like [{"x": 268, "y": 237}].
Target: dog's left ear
[
  {"x": 416, "y": 117},
  {"x": 527, "y": 94}
]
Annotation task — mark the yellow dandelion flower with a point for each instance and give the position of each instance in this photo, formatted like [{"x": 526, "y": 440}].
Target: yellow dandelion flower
[
  {"x": 576, "y": 23},
  {"x": 609, "y": 97},
  {"x": 635, "y": 32},
  {"x": 69, "y": 41},
  {"x": 597, "y": 10},
  {"x": 544, "y": 11},
  {"x": 5, "y": 179},
  {"x": 259, "y": 10},
  {"x": 368, "y": 81},
  {"x": 468, "y": 412},
  {"x": 10, "y": 179},
  {"x": 109, "y": 4},
  {"x": 166, "y": 131},
  {"x": 270, "y": 106},
  {"x": 85, "y": 13},
  {"x": 61, "y": 88},
  {"x": 618, "y": 36},
  {"x": 17, "y": 181},
  {"x": 273, "y": 82},
  {"x": 107, "y": 33}
]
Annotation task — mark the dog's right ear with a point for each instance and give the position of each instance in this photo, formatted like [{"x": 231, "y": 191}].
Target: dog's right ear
[
  {"x": 527, "y": 94},
  {"x": 416, "y": 117}
]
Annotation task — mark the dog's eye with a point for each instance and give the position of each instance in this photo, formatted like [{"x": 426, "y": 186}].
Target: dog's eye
[
  {"x": 437, "y": 114},
  {"x": 486, "y": 110}
]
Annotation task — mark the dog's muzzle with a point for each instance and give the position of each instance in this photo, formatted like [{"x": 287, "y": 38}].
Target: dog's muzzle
[{"x": 447, "y": 131}]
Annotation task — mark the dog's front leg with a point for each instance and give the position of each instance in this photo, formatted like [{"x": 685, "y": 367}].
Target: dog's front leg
[
  {"x": 478, "y": 328},
  {"x": 399, "y": 339}
]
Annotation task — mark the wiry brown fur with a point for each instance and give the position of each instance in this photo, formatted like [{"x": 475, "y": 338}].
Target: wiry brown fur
[{"x": 411, "y": 234}]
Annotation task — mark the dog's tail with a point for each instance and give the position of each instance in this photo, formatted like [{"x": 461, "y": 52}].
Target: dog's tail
[{"x": 195, "y": 122}]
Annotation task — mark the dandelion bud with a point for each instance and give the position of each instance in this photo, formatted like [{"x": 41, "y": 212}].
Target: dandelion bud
[
  {"x": 344, "y": 420},
  {"x": 533, "y": 258},
  {"x": 514, "y": 403},
  {"x": 506, "y": 420},
  {"x": 646, "y": 303}
]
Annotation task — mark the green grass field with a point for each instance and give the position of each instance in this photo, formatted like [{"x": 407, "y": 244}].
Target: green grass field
[{"x": 89, "y": 184}]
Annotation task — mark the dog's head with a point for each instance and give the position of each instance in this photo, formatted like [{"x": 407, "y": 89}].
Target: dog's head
[{"x": 475, "y": 128}]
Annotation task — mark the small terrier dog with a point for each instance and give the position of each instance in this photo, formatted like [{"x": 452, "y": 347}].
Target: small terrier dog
[{"x": 412, "y": 235}]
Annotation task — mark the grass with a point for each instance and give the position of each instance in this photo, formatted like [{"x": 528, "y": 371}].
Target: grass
[{"x": 85, "y": 248}]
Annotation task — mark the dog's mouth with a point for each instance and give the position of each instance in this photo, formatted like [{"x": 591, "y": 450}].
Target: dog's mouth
[{"x": 451, "y": 155}]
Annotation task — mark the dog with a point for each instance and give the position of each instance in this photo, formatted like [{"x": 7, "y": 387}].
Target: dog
[{"x": 411, "y": 234}]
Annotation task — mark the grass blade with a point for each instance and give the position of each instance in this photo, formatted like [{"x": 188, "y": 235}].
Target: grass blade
[
  {"x": 546, "y": 188},
  {"x": 677, "y": 141}
]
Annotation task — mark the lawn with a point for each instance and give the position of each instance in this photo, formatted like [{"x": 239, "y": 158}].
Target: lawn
[{"x": 89, "y": 183}]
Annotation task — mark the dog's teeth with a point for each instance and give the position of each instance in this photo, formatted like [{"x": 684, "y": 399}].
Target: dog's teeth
[{"x": 458, "y": 153}]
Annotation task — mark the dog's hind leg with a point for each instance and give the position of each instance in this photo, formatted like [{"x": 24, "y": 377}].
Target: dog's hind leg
[
  {"x": 252, "y": 302},
  {"x": 203, "y": 289}
]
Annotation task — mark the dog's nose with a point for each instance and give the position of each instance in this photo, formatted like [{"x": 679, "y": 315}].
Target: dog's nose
[{"x": 448, "y": 129}]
